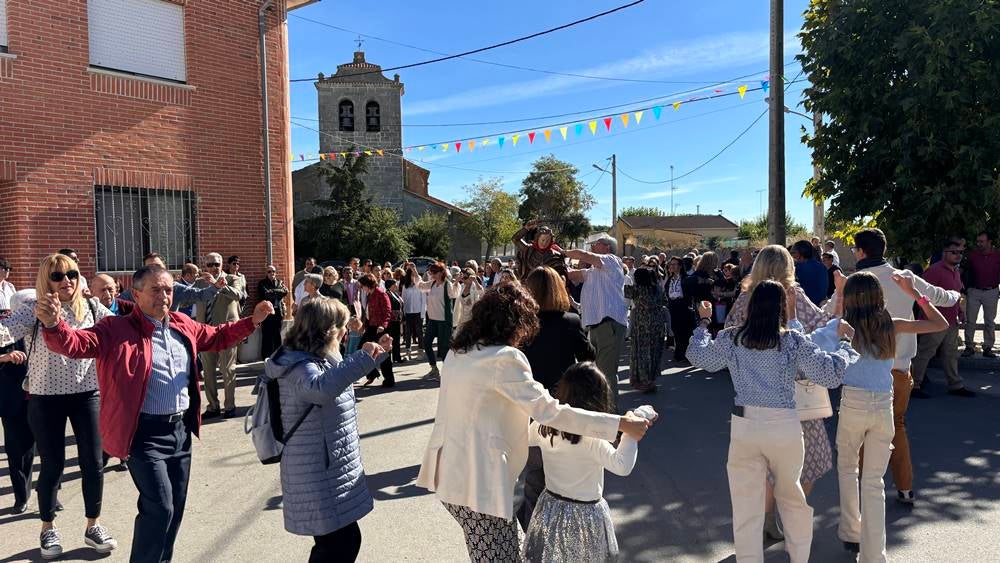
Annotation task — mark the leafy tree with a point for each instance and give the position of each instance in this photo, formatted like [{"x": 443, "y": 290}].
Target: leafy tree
[
  {"x": 553, "y": 194},
  {"x": 642, "y": 212},
  {"x": 380, "y": 236},
  {"x": 713, "y": 242},
  {"x": 756, "y": 229},
  {"x": 599, "y": 229},
  {"x": 429, "y": 235},
  {"x": 494, "y": 213},
  {"x": 907, "y": 89}
]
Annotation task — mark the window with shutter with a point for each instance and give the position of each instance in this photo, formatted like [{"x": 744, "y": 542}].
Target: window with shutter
[{"x": 142, "y": 37}]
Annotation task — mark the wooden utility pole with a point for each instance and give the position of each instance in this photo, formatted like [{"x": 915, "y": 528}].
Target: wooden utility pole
[
  {"x": 776, "y": 160},
  {"x": 819, "y": 221}
]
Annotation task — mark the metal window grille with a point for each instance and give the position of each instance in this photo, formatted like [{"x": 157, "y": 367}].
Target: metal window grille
[
  {"x": 132, "y": 222},
  {"x": 347, "y": 115},
  {"x": 373, "y": 116}
]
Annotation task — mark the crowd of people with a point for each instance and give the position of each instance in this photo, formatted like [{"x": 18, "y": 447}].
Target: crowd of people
[{"x": 527, "y": 354}]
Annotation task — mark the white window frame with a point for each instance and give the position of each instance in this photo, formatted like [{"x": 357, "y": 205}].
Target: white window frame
[
  {"x": 140, "y": 37},
  {"x": 3, "y": 27}
]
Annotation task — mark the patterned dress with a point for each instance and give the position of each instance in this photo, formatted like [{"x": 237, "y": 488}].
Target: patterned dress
[
  {"x": 646, "y": 331},
  {"x": 819, "y": 454}
]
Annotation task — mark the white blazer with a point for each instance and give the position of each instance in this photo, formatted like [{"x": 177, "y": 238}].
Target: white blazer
[{"x": 479, "y": 444}]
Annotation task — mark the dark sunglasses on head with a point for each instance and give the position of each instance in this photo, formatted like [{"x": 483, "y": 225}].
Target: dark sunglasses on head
[
  {"x": 60, "y": 276},
  {"x": 213, "y": 264}
]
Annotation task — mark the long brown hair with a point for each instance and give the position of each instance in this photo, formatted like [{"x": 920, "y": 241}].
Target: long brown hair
[
  {"x": 505, "y": 315},
  {"x": 548, "y": 289},
  {"x": 864, "y": 309}
]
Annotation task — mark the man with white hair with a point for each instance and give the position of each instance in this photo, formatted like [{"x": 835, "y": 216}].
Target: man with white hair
[
  {"x": 224, "y": 308},
  {"x": 602, "y": 303}
]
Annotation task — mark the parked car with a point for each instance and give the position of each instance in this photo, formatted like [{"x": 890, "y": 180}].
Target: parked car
[
  {"x": 338, "y": 264},
  {"x": 421, "y": 262}
]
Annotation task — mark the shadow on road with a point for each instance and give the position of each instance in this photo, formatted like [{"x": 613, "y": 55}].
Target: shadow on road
[{"x": 395, "y": 484}]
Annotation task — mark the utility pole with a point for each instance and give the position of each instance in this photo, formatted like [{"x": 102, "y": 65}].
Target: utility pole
[
  {"x": 672, "y": 188},
  {"x": 776, "y": 160},
  {"x": 697, "y": 209},
  {"x": 819, "y": 225},
  {"x": 614, "y": 192}
]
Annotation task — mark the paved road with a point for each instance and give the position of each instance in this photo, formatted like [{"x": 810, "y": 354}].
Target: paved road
[{"x": 674, "y": 507}]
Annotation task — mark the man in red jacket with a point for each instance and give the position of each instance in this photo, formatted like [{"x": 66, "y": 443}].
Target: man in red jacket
[
  {"x": 150, "y": 394},
  {"x": 379, "y": 311}
]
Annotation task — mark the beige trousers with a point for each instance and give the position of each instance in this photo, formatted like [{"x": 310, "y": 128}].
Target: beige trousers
[
  {"x": 224, "y": 362},
  {"x": 865, "y": 419},
  {"x": 768, "y": 440}
]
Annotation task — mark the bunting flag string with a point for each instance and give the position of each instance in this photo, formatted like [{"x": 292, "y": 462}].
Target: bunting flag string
[{"x": 633, "y": 117}]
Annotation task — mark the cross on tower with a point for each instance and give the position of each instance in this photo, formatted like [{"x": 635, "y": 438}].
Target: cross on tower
[{"x": 359, "y": 40}]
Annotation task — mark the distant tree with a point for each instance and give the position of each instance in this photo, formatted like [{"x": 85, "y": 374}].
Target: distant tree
[
  {"x": 429, "y": 235},
  {"x": 380, "y": 237},
  {"x": 493, "y": 213},
  {"x": 907, "y": 91},
  {"x": 599, "y": 229},
  {"x": 713, "y": 242},
  {"x": 756, "y": 229},
  {"x": 553, "y": 194},
  {"x": 574, "y": 226},
  {"x": 642, "y": 212}
]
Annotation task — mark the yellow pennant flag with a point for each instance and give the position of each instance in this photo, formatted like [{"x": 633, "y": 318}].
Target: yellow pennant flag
[
  {"x": 380, "y": 152},
  {"x": 743, "y": 91},
  {"x": 485, "y": 142},
  {"x": 368, "y": 153},
  {"x": 548, "y": 135},
  {"x": 514, "y": 138},
  {"x": 420, "y": 148},
  {"x": 444, "y": 147},
  {"x": 677, "y": 105},
  {"x": 625, "y": 117},
  {"x": 343, "y": 155},
  {"x": 638, "y": 117},
  {"x": 593, "y": 127},
  {"x": 562, "y": 131},
  {"x": 472, "y": 145},
  {"x": 292, "y": 157}
]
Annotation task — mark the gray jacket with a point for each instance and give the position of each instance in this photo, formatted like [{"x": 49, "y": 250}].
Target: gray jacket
[{"x": 322, "y": 480}]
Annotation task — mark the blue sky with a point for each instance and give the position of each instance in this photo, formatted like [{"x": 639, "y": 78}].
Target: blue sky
[{"x": 693, "y": 44}]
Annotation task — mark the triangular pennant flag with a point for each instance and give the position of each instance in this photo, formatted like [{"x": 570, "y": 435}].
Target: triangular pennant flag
[
  {"x": 368, "y": 153},
  {"x": 548, "y": 135},
  {"x": 458, "y": 147},
  {"x": 472, "y": 146},
  {"x": 500, "y": 141},
  {"x": 562, "y": 131},
  {"x": 764, "y": 84},
  {"x": 302, "y": 156},
  {"x": 343, "y": 155},
  {"x": 332, "y": 156},
  {"x": 593, "y": 127},
  {"x": 579, "y": 129},
  {"x": 514, "y": 138},
  {"x": 657, "y": 111},
  {"x": 625, "y": 118},
  {"x": 742, "y": 90},
  {"x": 607, "y": 123},
  {"x": 409, "y": 149},
  {"x": 444, "y": 147},
  {"x": 485, "y": 142},
  {"x": 638, "y": 117},
  {"x": 677, "y": 105},
  {"x": 718, "y": 90},
  {"x": 357, "y": 154},
  {"x": 322, "y": 156},
  {"x": 380, "y": 152},
  {"x": 784, "y": 79},
  {"x": 531, "y": 137},
  {"x": 291, "y": 157}
]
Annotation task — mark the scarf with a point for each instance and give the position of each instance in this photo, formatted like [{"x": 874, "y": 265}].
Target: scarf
[{"x": 865, "y": 263}]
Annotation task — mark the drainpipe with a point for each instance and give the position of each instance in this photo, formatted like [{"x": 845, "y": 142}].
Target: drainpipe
[{"x": 265, "y": 118}]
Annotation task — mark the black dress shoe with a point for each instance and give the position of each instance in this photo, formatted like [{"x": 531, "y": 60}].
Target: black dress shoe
[
  {"x": 853, "y": 547},
  {"x": 918, "y": 393},
  {"x": 389, "y": 384},
  {"x": 961, "y": 392},
  {"x": 58, "y": 507},
  {"x": 20, "y": 507},
  {"x": 229, "y": 413},
  {"x": 210, "y": 413}
]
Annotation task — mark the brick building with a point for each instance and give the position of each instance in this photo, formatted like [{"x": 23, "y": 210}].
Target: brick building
[
  {"x": 360, "y": 109},
  {"x": 124, "y": 131}
]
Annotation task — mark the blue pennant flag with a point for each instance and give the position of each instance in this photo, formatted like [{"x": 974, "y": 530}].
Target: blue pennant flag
[{"x": 657, "y": 111}]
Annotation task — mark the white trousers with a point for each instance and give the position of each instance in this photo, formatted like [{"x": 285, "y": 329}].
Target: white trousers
[
  {"x": 865, "y": 420},
  {"x": 768, "y": 440}
]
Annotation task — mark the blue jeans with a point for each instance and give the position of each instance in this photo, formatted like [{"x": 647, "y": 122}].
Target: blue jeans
[{"x": 160, "y": 464}]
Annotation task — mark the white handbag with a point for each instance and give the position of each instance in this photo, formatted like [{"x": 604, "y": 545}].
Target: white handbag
[{"x": 812, "y": 401}]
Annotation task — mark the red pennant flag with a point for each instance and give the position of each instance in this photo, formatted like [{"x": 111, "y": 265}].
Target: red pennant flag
[
  {"x": 607, "y": 123},
  {"x": 531, "y": 137},
  {"x": 458, "y": 147}
]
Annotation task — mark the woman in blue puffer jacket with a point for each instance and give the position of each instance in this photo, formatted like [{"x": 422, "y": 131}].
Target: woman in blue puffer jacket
[{"x": 322, "y": 480}]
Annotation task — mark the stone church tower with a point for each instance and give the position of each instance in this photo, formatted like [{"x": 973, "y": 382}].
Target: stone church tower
[{"x": 359, "y": 109}]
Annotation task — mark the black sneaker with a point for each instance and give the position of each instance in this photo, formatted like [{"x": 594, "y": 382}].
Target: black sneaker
[
  {"x": 905, "y": 497},
  {"x": 918, "y": 393},
  {"x": 961, "y": 392},
  {"x": 98, "y": 538},
  {"x": 989, "y": 354},
  {"x": 51, "y": 546},
  {"x": 211, "y": 413}
]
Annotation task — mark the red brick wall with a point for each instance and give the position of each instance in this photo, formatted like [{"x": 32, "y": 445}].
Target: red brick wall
[{"x": 63, "y": 128}]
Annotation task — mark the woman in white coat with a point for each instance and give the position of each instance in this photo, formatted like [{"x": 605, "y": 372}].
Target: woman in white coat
[{"x": 479, "y": 444}]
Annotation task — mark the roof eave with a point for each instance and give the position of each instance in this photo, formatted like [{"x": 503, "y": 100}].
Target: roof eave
[{"x": 296, "y": 4}]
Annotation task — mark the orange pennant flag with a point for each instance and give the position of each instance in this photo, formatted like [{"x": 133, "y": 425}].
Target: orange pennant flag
[
  {"x": 562, "y": 131},
  {"x": 322, "y": 156},
  {"x": 472, "y": 146},
  {"x": 593, "y": 127},
  {"x": 548, "y": 135},
  {"x": 625, "y": 117},
  {"x": 638, "y": 117},
  {"x": 514, "y": 139},
  {"x": 743, "y": 91},
  {"x": 677, "y": 105},
  {"x": 380, "y": 152}
]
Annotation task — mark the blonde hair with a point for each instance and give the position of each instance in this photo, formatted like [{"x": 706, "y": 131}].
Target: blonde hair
[
  {"x": 773, "y": 262},
  {"x": 61, "y": 263},
  {"x": 708, "y": 263},
  {"x": 330, "y": 270},
  {"x": 318, "y": 322}
]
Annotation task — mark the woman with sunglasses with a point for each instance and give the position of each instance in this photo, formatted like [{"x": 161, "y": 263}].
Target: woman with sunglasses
[{"x": 61, "y": 388}]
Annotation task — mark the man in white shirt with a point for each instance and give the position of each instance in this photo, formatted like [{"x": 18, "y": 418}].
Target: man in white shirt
[
  {"x": 602, "y": 301},
  {"x": 830, "y": 247}
]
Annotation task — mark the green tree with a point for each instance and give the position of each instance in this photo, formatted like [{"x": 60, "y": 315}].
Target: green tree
[
  {"x": 640, "y": 211},
  {"x": 493, "y": 213},
  {"x": 429, "y": 235},
  {"x": 380, "y": 236},
  {"x": 756, "y": 229},
  {"x": 553, "y": 194},
  {"x": 907, "y": 89}
]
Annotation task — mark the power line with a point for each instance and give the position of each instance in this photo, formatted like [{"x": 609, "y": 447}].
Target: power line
[
  {"x": 495, "y": 45},
  {"x": 493, "y": 63}
]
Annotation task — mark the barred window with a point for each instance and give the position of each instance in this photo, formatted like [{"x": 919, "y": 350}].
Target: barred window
[{"x": 132, "y": 222}]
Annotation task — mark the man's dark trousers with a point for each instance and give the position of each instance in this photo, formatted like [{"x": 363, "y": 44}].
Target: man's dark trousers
[{"x": 160, "y": 464}]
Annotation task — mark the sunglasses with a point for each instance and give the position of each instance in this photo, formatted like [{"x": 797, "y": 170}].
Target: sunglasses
[
  {"x": 213, "y": 264},
  {"x": 60, "y": 276}
]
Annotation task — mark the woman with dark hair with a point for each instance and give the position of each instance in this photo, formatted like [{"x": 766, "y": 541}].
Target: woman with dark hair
[
  {"x": 414, "y": 307},
  {"x": 441, "y": 294},
  {"x": 377, "y": 323},
  {"x": 679, "y": 307},
  {"x": 764, "y": 356},
  {"x": 395, "y": 318},
  {"x": 560, "y": 343},
  {"x": 272, "y": 289},
  {"x": 324, "y": 495},
  {"x": 479, "y": 443},
  {"x": 646, "y": 329}
]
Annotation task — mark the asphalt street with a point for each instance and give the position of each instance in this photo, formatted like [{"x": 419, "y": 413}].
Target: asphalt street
[{"x": 674, "y": 507}]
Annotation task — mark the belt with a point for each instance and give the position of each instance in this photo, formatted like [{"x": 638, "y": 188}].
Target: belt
[
  {"x": 573, "y": 500},
  {"x": 175, "y": 417}
]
